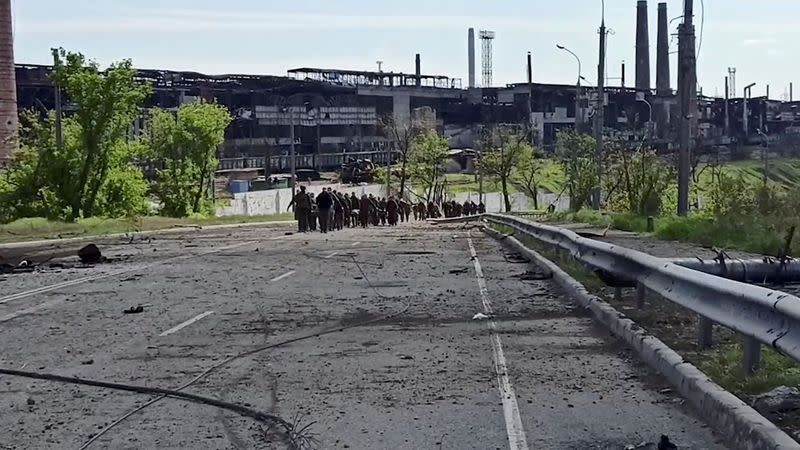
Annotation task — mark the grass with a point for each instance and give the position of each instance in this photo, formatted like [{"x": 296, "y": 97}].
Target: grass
[
  {"x": 784, "y": 172},
  {"x": 724, "y": 365},
  {"x": 37, "y": 228},
  {"x": 552, "y": 180}
]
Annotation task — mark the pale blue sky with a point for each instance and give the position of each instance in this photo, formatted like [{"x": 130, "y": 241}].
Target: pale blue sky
[{"x": 760, "y": 38}]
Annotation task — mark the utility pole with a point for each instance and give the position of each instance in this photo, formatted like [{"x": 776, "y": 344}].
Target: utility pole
[
  {"x": 687, "y": 91},
  {"x": 727, "y": 109},
  {"x": 292, "y": 158},
  {"x": 600, "y": 113},
  {"x": 59, "y": 107}
]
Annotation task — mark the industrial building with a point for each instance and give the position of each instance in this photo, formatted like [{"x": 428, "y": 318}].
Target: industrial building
[{"x": 340, "y": 111}]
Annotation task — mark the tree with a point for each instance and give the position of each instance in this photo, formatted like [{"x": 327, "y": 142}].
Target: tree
[
  {"x": 427, "y": 155},
  {"x": 576, "y": 153},
  {"x": 404, "y": 133},
  {"x": 105, "y": 104},
  {"x": 187, "y": 144},
  {"x": 640, "y": 180},
  {"x": 528, "y": 176},
  {"x": 503, "y": 151}
]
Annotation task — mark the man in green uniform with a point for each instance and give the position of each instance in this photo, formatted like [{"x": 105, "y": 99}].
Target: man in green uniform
[{"x": 302, "y": 207}]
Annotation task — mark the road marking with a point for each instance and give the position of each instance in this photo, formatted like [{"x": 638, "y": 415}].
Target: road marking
[
  {"x": 53, "y": 287},
  {"x": 331, "y": 255},
  {"x": 514, "y": 429},
  {"x": 280, "y": 277},
  {"x": 179, "y": 327},
  {"x": 355, "y": 244}
]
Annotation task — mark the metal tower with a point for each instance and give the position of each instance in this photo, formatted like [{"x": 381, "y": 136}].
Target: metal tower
[
  {"x": 731, "y": 82},
  {"x": 486, "y": 41}
]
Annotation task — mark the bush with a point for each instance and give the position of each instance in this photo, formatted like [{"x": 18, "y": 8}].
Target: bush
[{"x": 124, "y": 194}]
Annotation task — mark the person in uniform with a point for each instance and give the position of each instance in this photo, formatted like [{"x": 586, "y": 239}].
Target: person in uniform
[
  {"x": 423, "y": 212},
  {"x": 338, "y": 214},
  {"x": 324, "y": 205},
  {"x": 364, "y": 211},
  {"x": 392, "y": 209},
  {"x": 312, "y": 213},
  {"x": 481, "y": 208},
  {"x": 302, "y": 206}
]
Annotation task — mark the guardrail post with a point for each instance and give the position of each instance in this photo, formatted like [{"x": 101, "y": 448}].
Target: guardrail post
[
  {"x": 641, "y": 294},
  {"x": 751, "y": 355},
  {"x": 705, "y": 328}
]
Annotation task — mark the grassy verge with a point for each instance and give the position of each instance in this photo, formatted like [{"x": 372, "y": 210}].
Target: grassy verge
[
  {"x": 38, "y": 228},
  {"x": 724, "y": 365},
  {"x": 551, "y": 179}
]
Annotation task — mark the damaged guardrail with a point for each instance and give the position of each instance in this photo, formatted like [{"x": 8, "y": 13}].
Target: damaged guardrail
[{"x": 763, "y": 316}]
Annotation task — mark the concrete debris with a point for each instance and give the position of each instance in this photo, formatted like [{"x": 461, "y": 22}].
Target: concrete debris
[
  {"x": 480, "y": 316},
  {"x": 663, "y": 444},
  {"x": 90, "y": 254},
  {"x": 458, "y": 271},
  {"x": 780, "y": 399},
  {"x": 134, "y": 310}
]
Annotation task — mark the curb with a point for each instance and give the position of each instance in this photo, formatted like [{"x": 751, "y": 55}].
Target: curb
[
  {"x": 183, "y": 229},
  {"x": 740, "y": 425}
]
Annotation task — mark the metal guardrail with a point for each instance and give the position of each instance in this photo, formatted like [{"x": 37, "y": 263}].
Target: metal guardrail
[
  {"x": 321, "y": 161},
  {"x": 764, "y": 316}
]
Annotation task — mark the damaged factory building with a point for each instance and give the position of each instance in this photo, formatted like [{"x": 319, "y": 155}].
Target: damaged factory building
[{"x": 336, "y": 112}]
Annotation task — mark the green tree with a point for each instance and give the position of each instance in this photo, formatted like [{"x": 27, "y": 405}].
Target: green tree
[
  {"x": 528, "y": 176},
  {"x": 105, "y": 105},
  {"x": 428, "y": 154},
  {"x": 187, "y": 144},
  {"x": 404, "y": 133},
  {"x": 576, "y": 153},
  {"x": 640, "y": 180},
  {"x": 503, "y": 151}
]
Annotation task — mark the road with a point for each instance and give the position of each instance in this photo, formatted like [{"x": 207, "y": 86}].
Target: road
[{"x": 421, "y": 374}]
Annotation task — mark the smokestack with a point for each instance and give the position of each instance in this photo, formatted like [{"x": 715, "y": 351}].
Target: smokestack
[
  {"x": 622, "y": 77},
  {"x": 791, "y": 92},
  {"x": 642, "y": 47},
  {"x": 8, "y": 86},
  {"x": 767, "y": 92},
  {"x": 662, "y": 52},
  {"x": 727, "y": 113},
  {"x": 530, "y": 69},
  {"x": 471, "y": 56},
  {"x": 419, "y": 71}
]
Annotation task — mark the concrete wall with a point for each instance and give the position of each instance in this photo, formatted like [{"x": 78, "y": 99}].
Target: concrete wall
[
  {"x": 519, "y": 202},
  {"x": 275, "y": 201}
]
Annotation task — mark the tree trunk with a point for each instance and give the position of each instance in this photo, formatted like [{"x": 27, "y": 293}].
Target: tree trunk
[
  {"x": 94, "y": 189},
  {"x": 200, "y": 187},
  {"x": 504, "y": 183},
  {"x": 403, "y": 176},
  {"x": 535, "y": 192},
  {"x": 80, "y": 187}
]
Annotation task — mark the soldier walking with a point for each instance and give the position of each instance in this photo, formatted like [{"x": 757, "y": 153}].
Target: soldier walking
[{"x": 302, "y": 206}]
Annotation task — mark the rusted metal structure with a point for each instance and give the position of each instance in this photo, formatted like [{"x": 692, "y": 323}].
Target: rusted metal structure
[{"x": 8, "y": 86}]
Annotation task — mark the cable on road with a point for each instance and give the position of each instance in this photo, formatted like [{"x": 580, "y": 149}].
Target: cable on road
[{"x": 297, "y": 437}]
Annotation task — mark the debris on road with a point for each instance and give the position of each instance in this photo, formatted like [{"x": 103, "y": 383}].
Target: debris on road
[
  {"x": 90, "y": 254},
  {"x": 480, "y": 316},
  {"x": 533, "y": 276},
  {"x": 458, "y": 271},
  {"x": 87, "y": 362},
  {"x": 134, "y": 310},
  {"x": 780, "y": 399}
]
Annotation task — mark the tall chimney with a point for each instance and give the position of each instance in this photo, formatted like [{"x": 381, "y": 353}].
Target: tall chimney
[
  {"x": 530, "y": 69},
  {"x": 642, "y": 47},
  {"x": 791, "y": 92},
  {"x": 419, "y": 70},
  {"x": 471, "y": 56},
  {"x": 8, "y": 86},
  {"x": 662, "y": 53},
  {"x": 622, "y": 77}
]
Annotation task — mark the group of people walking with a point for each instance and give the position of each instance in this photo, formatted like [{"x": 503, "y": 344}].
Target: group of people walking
[{"x": 331, "y": 210}]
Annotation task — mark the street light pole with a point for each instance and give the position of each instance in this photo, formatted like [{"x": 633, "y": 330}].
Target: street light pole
[
  {"x": 578, "y": 118},
  {"x": 600, "y": 114},
  {"x": 650, "y": 113}
]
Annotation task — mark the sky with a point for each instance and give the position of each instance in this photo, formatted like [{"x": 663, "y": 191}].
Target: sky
[{"x": 761, "y": 39}]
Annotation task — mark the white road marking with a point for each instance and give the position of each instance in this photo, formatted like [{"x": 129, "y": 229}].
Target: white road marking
[
  {"x": 183, "y": 325},
  {"x": 331, "y": 255},
  {"x": 52, "y": 287},
  {"x": 280, "y": 277},
  {"x": 355, "y": 244},
  {"x": 514, "y": 429}
]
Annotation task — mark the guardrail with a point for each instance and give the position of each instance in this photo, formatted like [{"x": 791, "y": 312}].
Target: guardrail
[
  {"x": 763, "y": 316},
  {"x": 323, "y": 161}
]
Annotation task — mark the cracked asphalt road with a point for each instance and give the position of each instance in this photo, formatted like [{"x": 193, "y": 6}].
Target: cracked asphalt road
[{"x": 426, "y": 378}]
